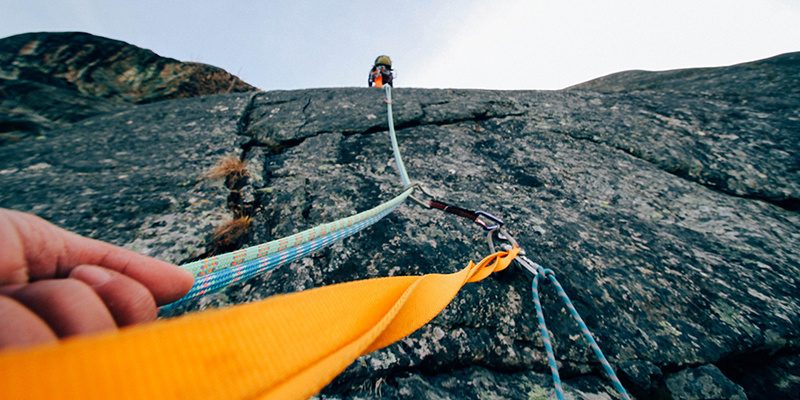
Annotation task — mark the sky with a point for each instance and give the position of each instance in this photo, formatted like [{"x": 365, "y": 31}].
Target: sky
[{"x": 499, "y": 44}]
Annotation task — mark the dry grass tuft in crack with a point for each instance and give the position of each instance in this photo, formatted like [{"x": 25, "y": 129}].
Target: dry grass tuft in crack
[
  {"x": 232, "y": 232},
  {"x": 228, "y": 167}
]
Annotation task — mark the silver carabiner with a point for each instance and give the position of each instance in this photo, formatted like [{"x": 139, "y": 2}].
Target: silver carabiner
[{"x": 529, "y": 265}]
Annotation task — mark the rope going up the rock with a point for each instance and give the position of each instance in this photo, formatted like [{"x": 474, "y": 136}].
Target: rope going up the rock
[
  {"x": 268, "y": 349},
  {"x": 401, "y": 168}
]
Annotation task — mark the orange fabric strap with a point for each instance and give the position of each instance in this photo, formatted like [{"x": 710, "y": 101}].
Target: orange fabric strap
[{"x": 288, "y": 346}]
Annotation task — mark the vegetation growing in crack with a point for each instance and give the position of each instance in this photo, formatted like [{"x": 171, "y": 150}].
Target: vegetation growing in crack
[
  {"x": 231, "y": 234},
  {"x": 229, "y": 167}
]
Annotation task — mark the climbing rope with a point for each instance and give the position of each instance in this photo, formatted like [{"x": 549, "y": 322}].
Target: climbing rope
[
  {"x": 218, "y": 272},
  {"x": 538, "y": 271},
  {"x": 587, "y": 335},
  {"x": 401, "y": 168},
  {"x": 234, "y": 258}
]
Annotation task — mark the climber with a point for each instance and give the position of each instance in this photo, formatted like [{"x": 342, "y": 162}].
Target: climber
[
  {"x": 55, "y": 284},
  {"x": 381, "y": 73}
]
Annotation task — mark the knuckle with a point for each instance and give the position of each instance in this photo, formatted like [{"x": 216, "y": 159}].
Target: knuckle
[{"x": 129, "y": 301}]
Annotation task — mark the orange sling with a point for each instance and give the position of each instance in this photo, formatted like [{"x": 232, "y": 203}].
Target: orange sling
[{"x": 285, "y": 347}]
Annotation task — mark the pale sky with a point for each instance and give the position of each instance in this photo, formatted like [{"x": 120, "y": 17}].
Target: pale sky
[{"x": 500, "y": 44}]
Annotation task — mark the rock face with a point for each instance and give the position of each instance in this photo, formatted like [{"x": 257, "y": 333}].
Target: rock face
[
  {"x": 670, "y": 218},
  {"x": 706, "y": 382},
  {"x": 49, "y": 80},
  {"x": 777, "y": 79},
  {"x": 730, "y": 106}
]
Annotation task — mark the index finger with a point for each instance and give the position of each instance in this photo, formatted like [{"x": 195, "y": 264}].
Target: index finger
[{"x": 43, "y": 250}]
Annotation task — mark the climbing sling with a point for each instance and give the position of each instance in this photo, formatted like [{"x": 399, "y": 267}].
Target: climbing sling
[{"x": 287, "y": 346}]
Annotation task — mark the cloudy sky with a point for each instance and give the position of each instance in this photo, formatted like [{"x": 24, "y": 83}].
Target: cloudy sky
[{"x": 499, "y": 44}]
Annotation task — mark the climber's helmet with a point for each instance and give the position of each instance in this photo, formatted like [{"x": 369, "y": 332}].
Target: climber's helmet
[{"x": 384, "y": 60}]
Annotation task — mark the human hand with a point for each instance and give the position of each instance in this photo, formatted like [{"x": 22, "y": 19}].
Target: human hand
[{"x": 55, "y": 284}]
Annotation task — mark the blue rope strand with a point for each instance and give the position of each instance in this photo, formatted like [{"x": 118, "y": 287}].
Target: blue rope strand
[
  {"x": 587, "y": 335},
  {"x": 548, "y": 347}
]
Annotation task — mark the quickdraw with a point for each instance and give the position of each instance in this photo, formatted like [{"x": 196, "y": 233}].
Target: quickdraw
[{"x": 494, "y": 227}]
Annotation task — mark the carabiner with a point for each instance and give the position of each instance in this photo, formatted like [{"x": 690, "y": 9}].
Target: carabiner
[
  {"x": 504, "y": 236},
  {"x": 418, "y": 185},
  {"x": 498, "y": 223},
  {"x": 509, "y": 244}
]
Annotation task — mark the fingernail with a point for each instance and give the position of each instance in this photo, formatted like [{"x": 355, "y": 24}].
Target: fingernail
[{"x": 93, "y": 276}]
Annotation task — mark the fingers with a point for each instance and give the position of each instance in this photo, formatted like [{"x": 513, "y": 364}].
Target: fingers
[
  {"x": 164, "y": 280},
  {"x": 40, "y": 250},
  {"x": 105, "y": 285},
  {"x": 94, "y": 299},
  {"x": 128, "y": 300},
  {"x": 21, "y": 327},
  {"x": 68, "y": 306},
  {"x": 8, "y": 289}
]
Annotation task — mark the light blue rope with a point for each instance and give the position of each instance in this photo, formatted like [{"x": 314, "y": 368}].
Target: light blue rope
[
  {"x": 584, "y": 331},
  {"x": 548, "y": 346},
  {"x": 231, "y": 259},
  {"x": 401, "y": 168}
]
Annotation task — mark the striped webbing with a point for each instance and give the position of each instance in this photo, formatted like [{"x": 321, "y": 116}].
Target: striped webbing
[
  {"x": 264, "y": 260},
  {"x": 224, "y": 261}
]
